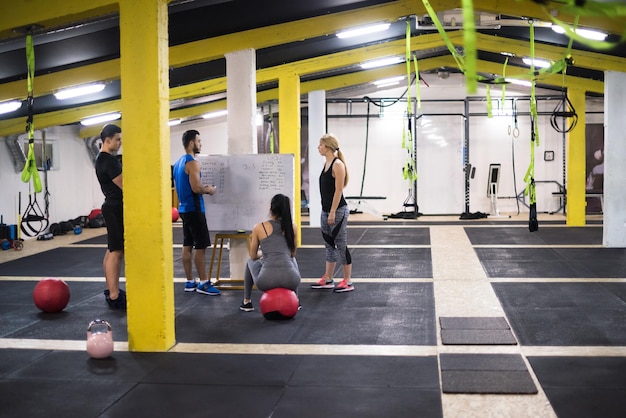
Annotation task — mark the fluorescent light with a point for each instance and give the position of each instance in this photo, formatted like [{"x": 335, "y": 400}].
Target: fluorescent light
[
  {"x": 585, "y": 33},
  {"x": 101, "y": 119},
  {"x": 11, "y": 106},
  {"x": 217, "y": 114},
  {"x": 79, "y": 91},
  {"x": 394, "y": 80},
  {"x": 365, "y": 30},
  {"x": 392, "y": 83},
  {"x": 538, "y": 62},
  {"x": 381, "y": 62},
  {"x": 173, "y": 122},
  {"x": 519, "y": 82},
  {"x": 507, "y": 54}
]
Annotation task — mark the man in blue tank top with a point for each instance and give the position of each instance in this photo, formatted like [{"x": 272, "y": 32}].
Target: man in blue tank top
[{"x": 196, "y": 239}]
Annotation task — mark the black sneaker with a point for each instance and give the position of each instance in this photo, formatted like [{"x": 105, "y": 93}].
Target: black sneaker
[
  {"x": 247, "y": 307},
  {"x": 119, "y": 303}
]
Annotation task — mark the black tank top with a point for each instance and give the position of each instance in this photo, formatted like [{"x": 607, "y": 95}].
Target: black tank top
[{"x": 327, "y": 188}]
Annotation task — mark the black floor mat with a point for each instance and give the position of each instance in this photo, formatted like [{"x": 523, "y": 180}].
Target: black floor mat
[
  {"x": 485, "y": 373},
  {"x": 553, "y": 262},
  {"x": 581, "y": 387},
  {"x": 565, "y": 314},
  {"x": 476, "y": 331},
  {"x": 544, "y": 236}
]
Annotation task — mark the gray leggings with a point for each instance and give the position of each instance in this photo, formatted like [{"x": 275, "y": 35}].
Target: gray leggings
[
  {"x": 336, "y": 236},
  {"x": 266, "y": 278}
]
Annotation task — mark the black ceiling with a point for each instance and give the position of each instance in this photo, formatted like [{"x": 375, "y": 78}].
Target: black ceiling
[{"x": 98, "y": 40}]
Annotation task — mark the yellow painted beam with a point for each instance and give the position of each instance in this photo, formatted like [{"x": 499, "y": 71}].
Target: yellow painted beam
[
  {"x": 530, "y": 9},
  {"x": 147, "y": 192},
  {"x": 49, "y": 83},
  {"x": 327, "y": 25},
  {"x": 289, "y": 132},
  {"x": 576, "y": 161},
  {"x": 14, "y": 126},
  {"x": 60, "y": 117},
  {"x": 583, "y": 59},
  {"x": 213, "y": 48},
  {"x": 51, "y": 14}
]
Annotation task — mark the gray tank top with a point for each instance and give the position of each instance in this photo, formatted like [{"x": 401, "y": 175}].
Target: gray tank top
[{"x": 276, "y": 253}]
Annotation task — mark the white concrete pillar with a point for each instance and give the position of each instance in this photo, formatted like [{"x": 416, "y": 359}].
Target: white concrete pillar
[
  {"x": 317, "y": 128},
  {"x": 614, "y": 234},
  {"x": 241, "y": 123}
]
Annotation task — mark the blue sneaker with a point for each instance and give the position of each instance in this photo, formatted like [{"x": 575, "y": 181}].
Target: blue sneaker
[
  {"x": 208, "y": 289},
  {"x": 191, "y": 286}
]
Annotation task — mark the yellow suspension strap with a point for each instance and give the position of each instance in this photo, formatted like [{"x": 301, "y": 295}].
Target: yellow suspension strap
[
  {"x": 506, "y": 61},
  {"x": 529, "y": 178},
  {"x": 30, "y": 167},
  {"x": 34, "y": 221},
  {"x": 469, "y": 42},
  {"x": 489, "y": 104},
  {"x": 418, "y": 78},
  {"x": 271, "y": 129},
  {"x": 467, "y": 62},
  {"x": 408, "y": 171}
]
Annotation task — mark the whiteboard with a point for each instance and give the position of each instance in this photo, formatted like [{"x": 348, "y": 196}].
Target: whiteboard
[{"x": 245, "y": 186}]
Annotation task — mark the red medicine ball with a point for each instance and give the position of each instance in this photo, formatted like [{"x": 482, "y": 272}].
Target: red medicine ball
[
  {"x": 279, "y": 303},
  {"x": 175, "y": 214},
  {"x": 51, "y": 295}
]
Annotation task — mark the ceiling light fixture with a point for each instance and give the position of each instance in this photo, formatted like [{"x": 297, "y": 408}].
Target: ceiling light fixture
[
  {"x": 585, "y": 33},
  {"x": 79, "y": 91},
  {"x": 213, "y": 115},
  {"x": 394, "y": 80},
  {"x": 519, "y": 82},
  {"x": 365, "y": 30},
  {"x": 11, "y": 106},
  {"x": 537, "y": 62},
  {"x": 173, "y": 122},
  {"x": 392, "y": 83},
  {"x": 381, "y": 62},
  {"x": 101, "y": 119}
]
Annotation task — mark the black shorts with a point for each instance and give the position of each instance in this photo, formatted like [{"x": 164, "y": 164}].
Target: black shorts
[
  {"x": 113, "y": 214},
  {"x": 195, "y": 230}
]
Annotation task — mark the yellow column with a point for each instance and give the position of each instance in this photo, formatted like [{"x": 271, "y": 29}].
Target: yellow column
[
  {"x": 289, "y": 132},
  {"x": 575, "y": 162},
  {"x": 146, "y": 173}
]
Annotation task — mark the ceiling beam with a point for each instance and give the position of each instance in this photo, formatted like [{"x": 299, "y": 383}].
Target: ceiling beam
[
  {"x": 51, "y": 14},
  {"x": 531, "y": 9},
  {"x": 16, "y": 126},
  {"x": 582, "y": 59},
  {"x": 209, "y": 49}
]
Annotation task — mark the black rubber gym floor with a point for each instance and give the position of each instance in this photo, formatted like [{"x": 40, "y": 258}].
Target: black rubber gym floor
[{"x": 393, "y": 306}]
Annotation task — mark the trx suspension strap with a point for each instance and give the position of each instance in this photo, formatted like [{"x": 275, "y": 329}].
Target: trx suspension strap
[
  {"x": 408, "y": 171},
  {"x": 30, "y": 167},
  {"x": 271, "y": 129},
  {"x": 34, "y": 221},
  {"x": 529, "y": 178}
]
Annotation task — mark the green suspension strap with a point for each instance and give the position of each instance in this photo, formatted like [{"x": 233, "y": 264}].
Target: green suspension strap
[
  {"x": 506, "y": 61},
  {"x": 469, "y": 41},
  {"x": 271, "y": 129},
  {"x": 408, "y": 171},
  {"x": 418, "y": 78},
  {"x": 30, "y": 167},
  {"x": 529, "y": 178},
  {"x": 489, "y": 104}
]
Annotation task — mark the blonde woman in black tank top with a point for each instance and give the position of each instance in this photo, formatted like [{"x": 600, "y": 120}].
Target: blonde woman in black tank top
[{"x": 334, "y": 218}]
